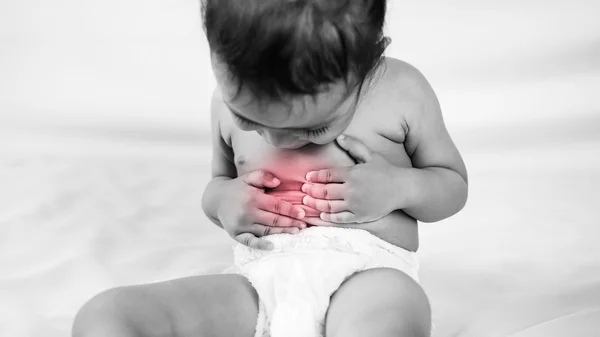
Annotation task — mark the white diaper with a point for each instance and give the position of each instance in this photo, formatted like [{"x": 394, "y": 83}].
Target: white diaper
[{"x": 296, "y": 279}]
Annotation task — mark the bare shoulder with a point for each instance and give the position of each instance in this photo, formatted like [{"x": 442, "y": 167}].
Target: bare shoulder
[
  {"x": 401, "y": 99},
  {"x": 404, "y": 88},
  {"x": 403, "y": 78}
]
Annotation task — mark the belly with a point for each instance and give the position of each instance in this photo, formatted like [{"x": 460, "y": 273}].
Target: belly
[
  {"x": 396, "y": 228},
  {"x": 291, "y": 166}
]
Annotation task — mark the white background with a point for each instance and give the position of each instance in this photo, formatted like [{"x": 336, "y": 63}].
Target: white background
[
  {"x": 146, "y": 61},
  {"x": 104, "y": 154}
]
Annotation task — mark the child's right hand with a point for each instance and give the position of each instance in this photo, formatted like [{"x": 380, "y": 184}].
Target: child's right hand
[{"x": 247, "y": 213}]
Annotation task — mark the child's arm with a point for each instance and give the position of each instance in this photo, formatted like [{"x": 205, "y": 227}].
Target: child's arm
[
  {"x": 439, "y": 181},
  {"x": 434, "y": 188},
  {"x": 238, "y": 204},
  {"x": 223, "y": 167}
]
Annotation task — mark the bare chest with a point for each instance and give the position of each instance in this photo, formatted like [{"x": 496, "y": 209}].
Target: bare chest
[{"x": 251, "y": 152}]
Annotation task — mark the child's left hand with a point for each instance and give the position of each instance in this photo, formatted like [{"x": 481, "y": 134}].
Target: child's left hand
[{"x": 361, "y": 193}]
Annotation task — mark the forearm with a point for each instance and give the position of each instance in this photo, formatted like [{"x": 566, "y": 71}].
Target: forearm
[
  {"x": 211, "y": 199},
  {"x": 430, "y": 194}
]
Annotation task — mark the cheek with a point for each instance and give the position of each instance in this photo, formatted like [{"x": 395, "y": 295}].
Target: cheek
[
  {"x": 246, "y": 127},
  {"x": 324, "y": 140},
  {"x": 331, "y": 135}
]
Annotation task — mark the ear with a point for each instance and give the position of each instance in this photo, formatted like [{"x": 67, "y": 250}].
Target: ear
[{"x": 386, "y": 41}]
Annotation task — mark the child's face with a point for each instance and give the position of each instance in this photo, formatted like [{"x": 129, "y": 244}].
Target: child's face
[{"x": 290, "y": 125}]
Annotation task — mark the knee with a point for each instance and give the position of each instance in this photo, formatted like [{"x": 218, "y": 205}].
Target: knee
[
  {"x": 398, "y": 288},
  {"x": 101, "y": 316},
  {"x": 390, "y": 304},
  {"x": 405, "y": 307}
]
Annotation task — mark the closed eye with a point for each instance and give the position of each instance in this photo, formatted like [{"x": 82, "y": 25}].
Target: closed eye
[
  {"x": 317, "y": 132},
  {"x": 311, "y": 133},
  {"x": 244, "y": 121}
]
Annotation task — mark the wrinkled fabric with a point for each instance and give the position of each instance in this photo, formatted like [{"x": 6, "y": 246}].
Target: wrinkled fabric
[{"x": 296, "y": 279}]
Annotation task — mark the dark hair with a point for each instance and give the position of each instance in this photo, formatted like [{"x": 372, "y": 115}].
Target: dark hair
[{"x": 291, "y": 47}]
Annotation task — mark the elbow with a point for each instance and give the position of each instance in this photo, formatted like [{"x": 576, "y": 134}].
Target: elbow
[
  {"x": 204, "y": 203},
  {"x": 459, "y": 201},
  {"x": 461, "y": 197},
  {"x": 432, "y": 217},
  {"x": 452, "y": 206},
  {"x": 210, "y": 199},
  {"x": 207, "y": 201},
  {"x": 208, "y": 207}
]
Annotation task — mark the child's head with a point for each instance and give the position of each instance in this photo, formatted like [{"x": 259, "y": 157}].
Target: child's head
[{"x": 293, "y": 69}]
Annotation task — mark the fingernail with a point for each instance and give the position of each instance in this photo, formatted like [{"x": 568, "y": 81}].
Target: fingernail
[
  {"x": 301, "y": 213},
  {"x": 308, "y": 175},
  {"x": 276, "y": 181},
  {"x": 305, "y": 200},
  {"x": 341, "y": 138},
  {"x": 304, "y": 188}
]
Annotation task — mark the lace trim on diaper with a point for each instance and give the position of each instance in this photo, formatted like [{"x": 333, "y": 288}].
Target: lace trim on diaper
[{"x": 345, "y": 240}]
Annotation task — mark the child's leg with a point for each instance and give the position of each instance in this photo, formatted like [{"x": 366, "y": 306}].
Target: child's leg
[
  {"x": 379, "y": 302},
  {"x": 212, "y": 305}
]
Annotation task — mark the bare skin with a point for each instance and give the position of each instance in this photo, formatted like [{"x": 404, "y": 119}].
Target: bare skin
[
  {"x": 252, "y": 153},
  {"x": 227, "y": 306},
  {"x": 390, "y": 121},
  {"x": 380, "y": 122}
]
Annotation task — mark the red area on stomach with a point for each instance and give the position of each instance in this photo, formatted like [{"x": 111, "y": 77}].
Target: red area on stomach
[
  {"x": 291, "y": 191},
  {"x": 291, "y": 169}
]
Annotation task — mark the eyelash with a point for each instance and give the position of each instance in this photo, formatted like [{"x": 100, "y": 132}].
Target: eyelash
[
  {"x": 243, "y": 121},
  {"x": 310, "y": 133},
  {"x": 317, "y": 132}
]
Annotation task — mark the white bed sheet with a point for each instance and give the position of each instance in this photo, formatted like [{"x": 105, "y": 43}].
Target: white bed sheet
[{"x": 83, "y": 213}]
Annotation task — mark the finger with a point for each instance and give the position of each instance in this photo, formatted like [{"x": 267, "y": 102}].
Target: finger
[
  {"x": 250, "y": 240},
  {"x": 259, "y": 230},
  {"x": 357, "y": 149},
  {"x": 276, "y": 220},
  {"x": 324, "y": 191},
  {"x": 261, "y": 179},
  {"x": 333, "y": 175},
  {"x": 316, "y": 221},
  {"x": 310, "y": 212},
  {"x": 341, "y": 217},
  {"x": 276, "y": 205},
  {"x": 329, "y": 206}
]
